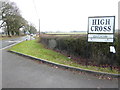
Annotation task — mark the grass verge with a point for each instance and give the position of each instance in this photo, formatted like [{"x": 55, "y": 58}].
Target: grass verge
[
  {"x": 7, "y": 37},
  {"x": 35, "y": 49}
]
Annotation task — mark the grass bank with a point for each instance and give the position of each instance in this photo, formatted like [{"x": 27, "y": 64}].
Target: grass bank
[{"x": 35, "y": 49}]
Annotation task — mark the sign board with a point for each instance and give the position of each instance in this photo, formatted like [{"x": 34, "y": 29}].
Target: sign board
[
  {"x": 101, "y": 29},
  {"x": 100, "y": 37}
]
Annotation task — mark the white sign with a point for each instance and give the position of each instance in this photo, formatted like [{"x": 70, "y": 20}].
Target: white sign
[
  {"x": 100, "y": 37},
  {"x": 101, "y": 29},
  {"x": 101, "y": 24},
  {"x": 112, "y": 49}
]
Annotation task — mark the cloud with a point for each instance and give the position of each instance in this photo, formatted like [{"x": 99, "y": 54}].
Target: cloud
[{"x": 66, "y": 15}]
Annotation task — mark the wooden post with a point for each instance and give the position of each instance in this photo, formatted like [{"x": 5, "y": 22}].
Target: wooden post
[{"x": 39, "y": 27}]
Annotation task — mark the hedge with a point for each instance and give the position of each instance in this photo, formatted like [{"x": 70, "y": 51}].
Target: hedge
[{"x": 83, "y": 52}]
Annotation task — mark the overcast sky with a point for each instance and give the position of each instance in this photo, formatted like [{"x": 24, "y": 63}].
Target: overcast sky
[{"x": 65, "y": 15}]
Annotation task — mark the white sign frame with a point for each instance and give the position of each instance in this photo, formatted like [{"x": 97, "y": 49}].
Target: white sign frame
[
  {"x": 100, "y": 37},
  {"x": 103, "y": 26}
]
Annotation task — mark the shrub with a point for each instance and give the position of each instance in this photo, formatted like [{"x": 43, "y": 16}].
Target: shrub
[{"x": 79, "y": 49}]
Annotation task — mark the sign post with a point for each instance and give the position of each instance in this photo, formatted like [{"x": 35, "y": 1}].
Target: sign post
[{"x": 101, "y": 29}]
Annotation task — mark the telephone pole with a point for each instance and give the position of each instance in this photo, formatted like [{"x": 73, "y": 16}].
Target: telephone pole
[
  {"x": 39, "y": 27},
  {"x": 37, "y": 15}
]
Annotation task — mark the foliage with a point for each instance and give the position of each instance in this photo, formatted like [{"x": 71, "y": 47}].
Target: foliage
[
  {"x": 118, "y": 47},
  {"x": 12, "y": 20},
  {"x": 32, "y": 29},
  {"x": 80, "y": 50}
]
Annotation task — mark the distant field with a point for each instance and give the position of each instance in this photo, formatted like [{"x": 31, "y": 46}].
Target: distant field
[{"x": 68, "y": 33}]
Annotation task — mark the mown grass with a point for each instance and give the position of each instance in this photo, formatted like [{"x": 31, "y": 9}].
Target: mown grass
[{"x": 37, "y": 50}]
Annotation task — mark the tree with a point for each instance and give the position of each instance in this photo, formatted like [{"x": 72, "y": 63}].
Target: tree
[
  {"x": 11, "y": 18},
  {"x": 8, "y": 12},
  {"x": 32, "y": 29}
]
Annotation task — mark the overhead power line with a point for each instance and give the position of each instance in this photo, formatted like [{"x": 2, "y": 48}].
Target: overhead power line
[
  {"x": 37, "y": 15},
  {"x": 35, "y": 8}
]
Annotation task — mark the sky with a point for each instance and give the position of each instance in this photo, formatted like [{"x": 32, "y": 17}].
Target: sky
[{"x": 65, "y": 15}]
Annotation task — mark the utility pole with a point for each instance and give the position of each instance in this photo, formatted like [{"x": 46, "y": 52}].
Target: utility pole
[
  {"x": 37, "y": 16},
  {"x": 39, "y": 27}
]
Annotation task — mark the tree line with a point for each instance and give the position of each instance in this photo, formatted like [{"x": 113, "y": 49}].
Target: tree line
[{"x": 12, "y": 22}]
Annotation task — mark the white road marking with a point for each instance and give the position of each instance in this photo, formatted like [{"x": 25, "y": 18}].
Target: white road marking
[
  {"x": 10, "y": 45},
  {"x": 12, "y": 41}
]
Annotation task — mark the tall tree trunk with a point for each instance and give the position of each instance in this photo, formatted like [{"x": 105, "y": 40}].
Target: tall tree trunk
[
  {"x": 24, "y": 32},
  {"x": 8, "y": 29},
  {"x": 12, "y": 32},
  {"x": 8, "y": 33},
  {"x": 17, "y": 33}
]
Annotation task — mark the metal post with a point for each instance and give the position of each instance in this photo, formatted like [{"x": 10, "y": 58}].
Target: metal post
[
  {"x": 111, "y": 61},
  {"x": 113, "y": 44},
  {"x": 112, "y": 56},
  {"x": 86, "y": 63}
]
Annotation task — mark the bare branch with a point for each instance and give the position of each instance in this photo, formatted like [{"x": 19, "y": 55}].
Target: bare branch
[{"x": 2, "y": 24}]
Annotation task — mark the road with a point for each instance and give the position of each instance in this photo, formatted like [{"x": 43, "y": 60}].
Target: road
[
  {"x": 21, "y": 72},
  {"x": 8, "y": 42}
]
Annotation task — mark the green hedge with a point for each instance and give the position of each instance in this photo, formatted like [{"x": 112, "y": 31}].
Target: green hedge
[{"x": 79, "y": 49}]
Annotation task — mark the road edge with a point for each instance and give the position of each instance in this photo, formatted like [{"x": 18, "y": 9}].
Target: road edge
[{"x": 68, "y": 67}]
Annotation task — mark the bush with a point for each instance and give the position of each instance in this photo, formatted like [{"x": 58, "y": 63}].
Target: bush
[
  {"x": 80, "y": 50},
  {"x": 118, "y": 48}
]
